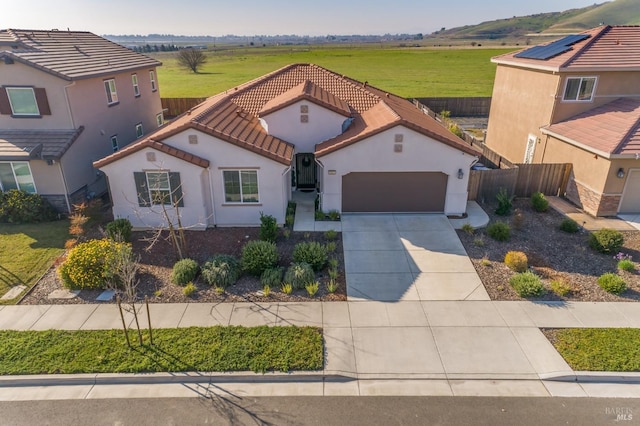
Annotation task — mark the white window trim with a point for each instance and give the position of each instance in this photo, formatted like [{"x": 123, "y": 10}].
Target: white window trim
[
  {"x": 150, "y": 189},
  {"x": 152, "y": 79},
  {"x": 15, "y": 178},
  {"x": 139, "y": 126},
  {"x": 111, "y": 93},
  {"x": 23, "y": 114},
  {"x": 159, "y": 119},
  {"x": 241, "y": 202},
  {"x": 581, "y": 78},
  {"x": 136, "y": 87},
  {"x": 114, "y": 143}
]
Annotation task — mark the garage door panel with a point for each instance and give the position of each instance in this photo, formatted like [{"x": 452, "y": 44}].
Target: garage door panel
[
  {"x": 394, "y": 192},
  {"x": 631, "y": 198}
]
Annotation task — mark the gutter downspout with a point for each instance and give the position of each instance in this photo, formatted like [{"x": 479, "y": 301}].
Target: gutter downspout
[
  {"x": 287, "y": 197},
  {"x": 66, "y": 96},
  {"x": 66, "y": 188}
]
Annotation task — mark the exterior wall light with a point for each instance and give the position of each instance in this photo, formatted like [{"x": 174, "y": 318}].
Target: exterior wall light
[
  {"x": 620, "y": 173},
  {"x": 460, "y": 174}
]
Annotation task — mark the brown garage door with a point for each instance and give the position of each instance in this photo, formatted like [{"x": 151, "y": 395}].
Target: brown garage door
[{"x": 394, "y": 192}]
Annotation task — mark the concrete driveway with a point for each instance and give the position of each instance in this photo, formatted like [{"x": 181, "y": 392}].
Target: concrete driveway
[{"x": 393, "y": 257}]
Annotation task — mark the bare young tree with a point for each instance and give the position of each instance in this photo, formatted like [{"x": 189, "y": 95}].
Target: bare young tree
[{"x": 191, "y": 58}]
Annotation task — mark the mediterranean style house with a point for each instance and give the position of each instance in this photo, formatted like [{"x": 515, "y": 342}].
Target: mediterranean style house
[
  {"x": 242, "y": 153},
  {"x": 68, "y": 98},
  {"x": 575, "y": 100}
]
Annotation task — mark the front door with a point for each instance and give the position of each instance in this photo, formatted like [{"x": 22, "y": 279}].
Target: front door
[{"x": 305, "y": 171}]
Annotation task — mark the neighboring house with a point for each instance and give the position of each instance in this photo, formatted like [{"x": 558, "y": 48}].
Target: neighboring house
[
  {"x": 575, "y": 100},
  {"x": 68, "y": 98},
  {"x": 302, "y": 127}
]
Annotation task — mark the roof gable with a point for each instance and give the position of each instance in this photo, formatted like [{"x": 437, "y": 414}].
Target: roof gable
[
  {"x": 306, "y": 90},
  {"x": 174, "y": 152}
]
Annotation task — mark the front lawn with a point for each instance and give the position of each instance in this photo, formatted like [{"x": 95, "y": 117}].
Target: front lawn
[
  {"x": 217, "y": 348},
  {"x": 598, "y": 349},
  {"x": 27, "y": 251}
]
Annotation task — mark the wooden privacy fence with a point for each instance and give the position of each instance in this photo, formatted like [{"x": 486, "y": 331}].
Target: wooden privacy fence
[
  {"x": 173, "y": 107},
  {"x": 521, "y": 181},
  {"x": 460, "y": 107}
]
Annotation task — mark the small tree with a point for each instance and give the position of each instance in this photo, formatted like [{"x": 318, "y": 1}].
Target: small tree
[{"x": 191, "y": 58}]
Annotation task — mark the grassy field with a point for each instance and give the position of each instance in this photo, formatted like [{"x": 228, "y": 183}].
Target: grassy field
[
  {"x": 186, "y": 349},
  {"x": 598, "y": 349},
  {"x": 27, "y": 251},
  {"x": 408, "y": 72}
]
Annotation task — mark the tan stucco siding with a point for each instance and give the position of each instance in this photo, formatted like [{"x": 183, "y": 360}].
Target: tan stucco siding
[
  {"x": 47, "y": 177},
  {"x": 378, "y": 154},
  {"x": 614, "y": 184},
  {"x": 522, "y": 102}
]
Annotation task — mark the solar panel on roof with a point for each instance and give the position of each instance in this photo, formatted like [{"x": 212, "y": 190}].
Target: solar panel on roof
[{"x": 552, "y": 49}]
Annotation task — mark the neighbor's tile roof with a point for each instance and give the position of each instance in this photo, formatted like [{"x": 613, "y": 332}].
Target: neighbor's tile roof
[
  {"x": 70, "y": 54},
  {"x": 611, "y": 129},
  {"x": 606, "y": 48},
  {"x": 233, "y": 116},
  {"x": 41, "y": 144},
  {"x": 148, "y": 143}
]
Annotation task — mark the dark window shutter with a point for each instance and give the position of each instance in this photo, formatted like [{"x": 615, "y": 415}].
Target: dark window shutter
[
  {"x": 5, "y": 106},
  {"x": 42, "y": 101},
  {"x": 176, "y": 187},
  {"x": 141, "y": 189}
]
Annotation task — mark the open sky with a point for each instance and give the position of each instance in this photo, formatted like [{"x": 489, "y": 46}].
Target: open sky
[{"x": 266, "y": 17}]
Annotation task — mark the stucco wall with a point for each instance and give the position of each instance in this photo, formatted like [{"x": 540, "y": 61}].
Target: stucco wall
[
  {"x": 323, "y": 124},
  {"x": 522, "y": 102},
  {"x": 48, "y": 178},
  {"x": 376, "y": 154}
]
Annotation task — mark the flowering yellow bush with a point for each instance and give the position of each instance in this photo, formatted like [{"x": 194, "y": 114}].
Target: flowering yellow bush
[
  {"x": 88, "y": 264},
  {"x": 516, "y": 260}
]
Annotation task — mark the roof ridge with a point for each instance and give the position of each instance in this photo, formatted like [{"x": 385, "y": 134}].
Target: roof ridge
[
  {"x": 605, "y": 29},
  {"x": 632, "y": 129}
]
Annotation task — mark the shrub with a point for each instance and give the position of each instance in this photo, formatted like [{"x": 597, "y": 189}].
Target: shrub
[
  {"x": 527, "y": 284},
  {"x": 606, "y": 240},
  {"x": 333, "y": 273},
  {"x": 333, "y": 263},
  {"x": 478, "y": 242},
  {"x": 272, "y": 277},
  {"x": 299, "y": 275},
  {"x": 516, "y": 261},
  {"x": 221, "y": 271},
  {"x": 88, "y": 265},
  {"x": 184, "y": 271},
  {"x": 268, "y": 228},
  {"x": 319, "y": 215},
  {"x": 286, "y": 288},
  {"x": 266, "y": 290},
  {"x": 560, "y": 287},
  {"x": 289, "y": 220},
  {"x": 330, "y": 247},
  {"x": 119, "y": 230},
  {"x": 505, "y": 202},
  {"x": 22, "y": 207},
  {"x": 312, "y": 288},
  {"x": 330, "y": 235},
  {"x": 332, "y": 286},
  {"x": 517, "y": 221},
  {"x": 334, "y": 215},
  {"x": 499, "y": 231},
  {"x": 311, "y": 252},
  {"x": 612, "y": 283},
  {"x": 468, "y": 228},
  {"x": 626, "y": 265},
  {"x": 189, "y": 289},
  {"x": 257, "y": 256},
  {"x": 539, "y": 202},
  {"x": 286, "y": 233},
  {"x": 569, "y": 225}
]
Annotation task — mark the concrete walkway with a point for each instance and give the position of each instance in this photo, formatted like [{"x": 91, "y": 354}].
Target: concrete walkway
[
  {"x": 372, "y": 348},
  {"x": 592, "y": 223},
  {"x": 305, "y": 214}
]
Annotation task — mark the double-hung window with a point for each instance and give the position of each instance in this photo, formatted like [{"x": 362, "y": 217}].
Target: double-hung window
[
  {"x": 579, "y": 89},
  {"x": 16, "y": 175},
  {"x": 136, "y": 88},
  {"x": 23, "y": 101},
  {"x": 241, "y": 186},
  {"x": 139, "y": 131},
  {"x": 159, "y": 187},
  {"x": 110, "y": 89},
  {"x": 152, "y": 78},
  {"x": 114, "y": 143},
  {"x": 159, "y": 119}
]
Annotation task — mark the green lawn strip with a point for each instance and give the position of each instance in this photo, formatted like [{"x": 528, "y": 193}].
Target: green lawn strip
[
  {"x": 27, "y": 251},
  {"x": 407, "y": 72},
  {"x": 598, "y": 349},
  {"x": 218, "y": 348}
]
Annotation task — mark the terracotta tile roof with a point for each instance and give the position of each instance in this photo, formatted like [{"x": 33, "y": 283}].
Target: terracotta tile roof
[
  {"x": 40, "y": 144},
  {"x": 70, "y": 54},
  {"x": 149, "y": 143},
  {"x": 233, "y": 115},
  {"x": 306, "y": 91},
  {"x": 611, "y": 129},
  {"x": 606, "y": 48}
]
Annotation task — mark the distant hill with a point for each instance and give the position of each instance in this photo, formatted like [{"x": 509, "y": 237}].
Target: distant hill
[{"x": 618, "y": 12}]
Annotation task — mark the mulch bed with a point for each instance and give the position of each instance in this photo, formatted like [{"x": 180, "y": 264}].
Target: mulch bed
[
  {"x": 552, "y": 253},
  {"x": 157, "y": 262}
]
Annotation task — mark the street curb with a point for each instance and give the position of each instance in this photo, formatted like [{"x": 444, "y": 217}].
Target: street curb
[{"x": 595, "y": 377}]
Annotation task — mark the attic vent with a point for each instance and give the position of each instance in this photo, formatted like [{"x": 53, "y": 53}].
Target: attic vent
[
  {"x": 304, "y": 109},
  {"x": 8, "y": 60},
  {"x": 398, "y": 137},
  {"x": 397, "y": 147},
  {"x": 193, "y": 139},
  {"x": 151, "y": 156}
]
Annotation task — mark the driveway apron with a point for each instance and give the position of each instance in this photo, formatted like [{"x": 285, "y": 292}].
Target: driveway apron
[{"x": 399, "y": 257}]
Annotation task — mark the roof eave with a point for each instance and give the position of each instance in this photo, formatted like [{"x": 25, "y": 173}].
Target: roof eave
[{"x": 517, "y": 64}]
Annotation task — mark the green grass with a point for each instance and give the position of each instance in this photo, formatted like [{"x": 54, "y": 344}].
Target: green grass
[
  {"x": 407, "y": 72},
  {"x": 187, "y": 349},
  {"x": 27, "y": 251},
  {"x": 599, "y": 349}
]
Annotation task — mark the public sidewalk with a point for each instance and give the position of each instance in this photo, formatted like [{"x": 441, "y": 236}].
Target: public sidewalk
[{"x": 372, "y": 348}]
